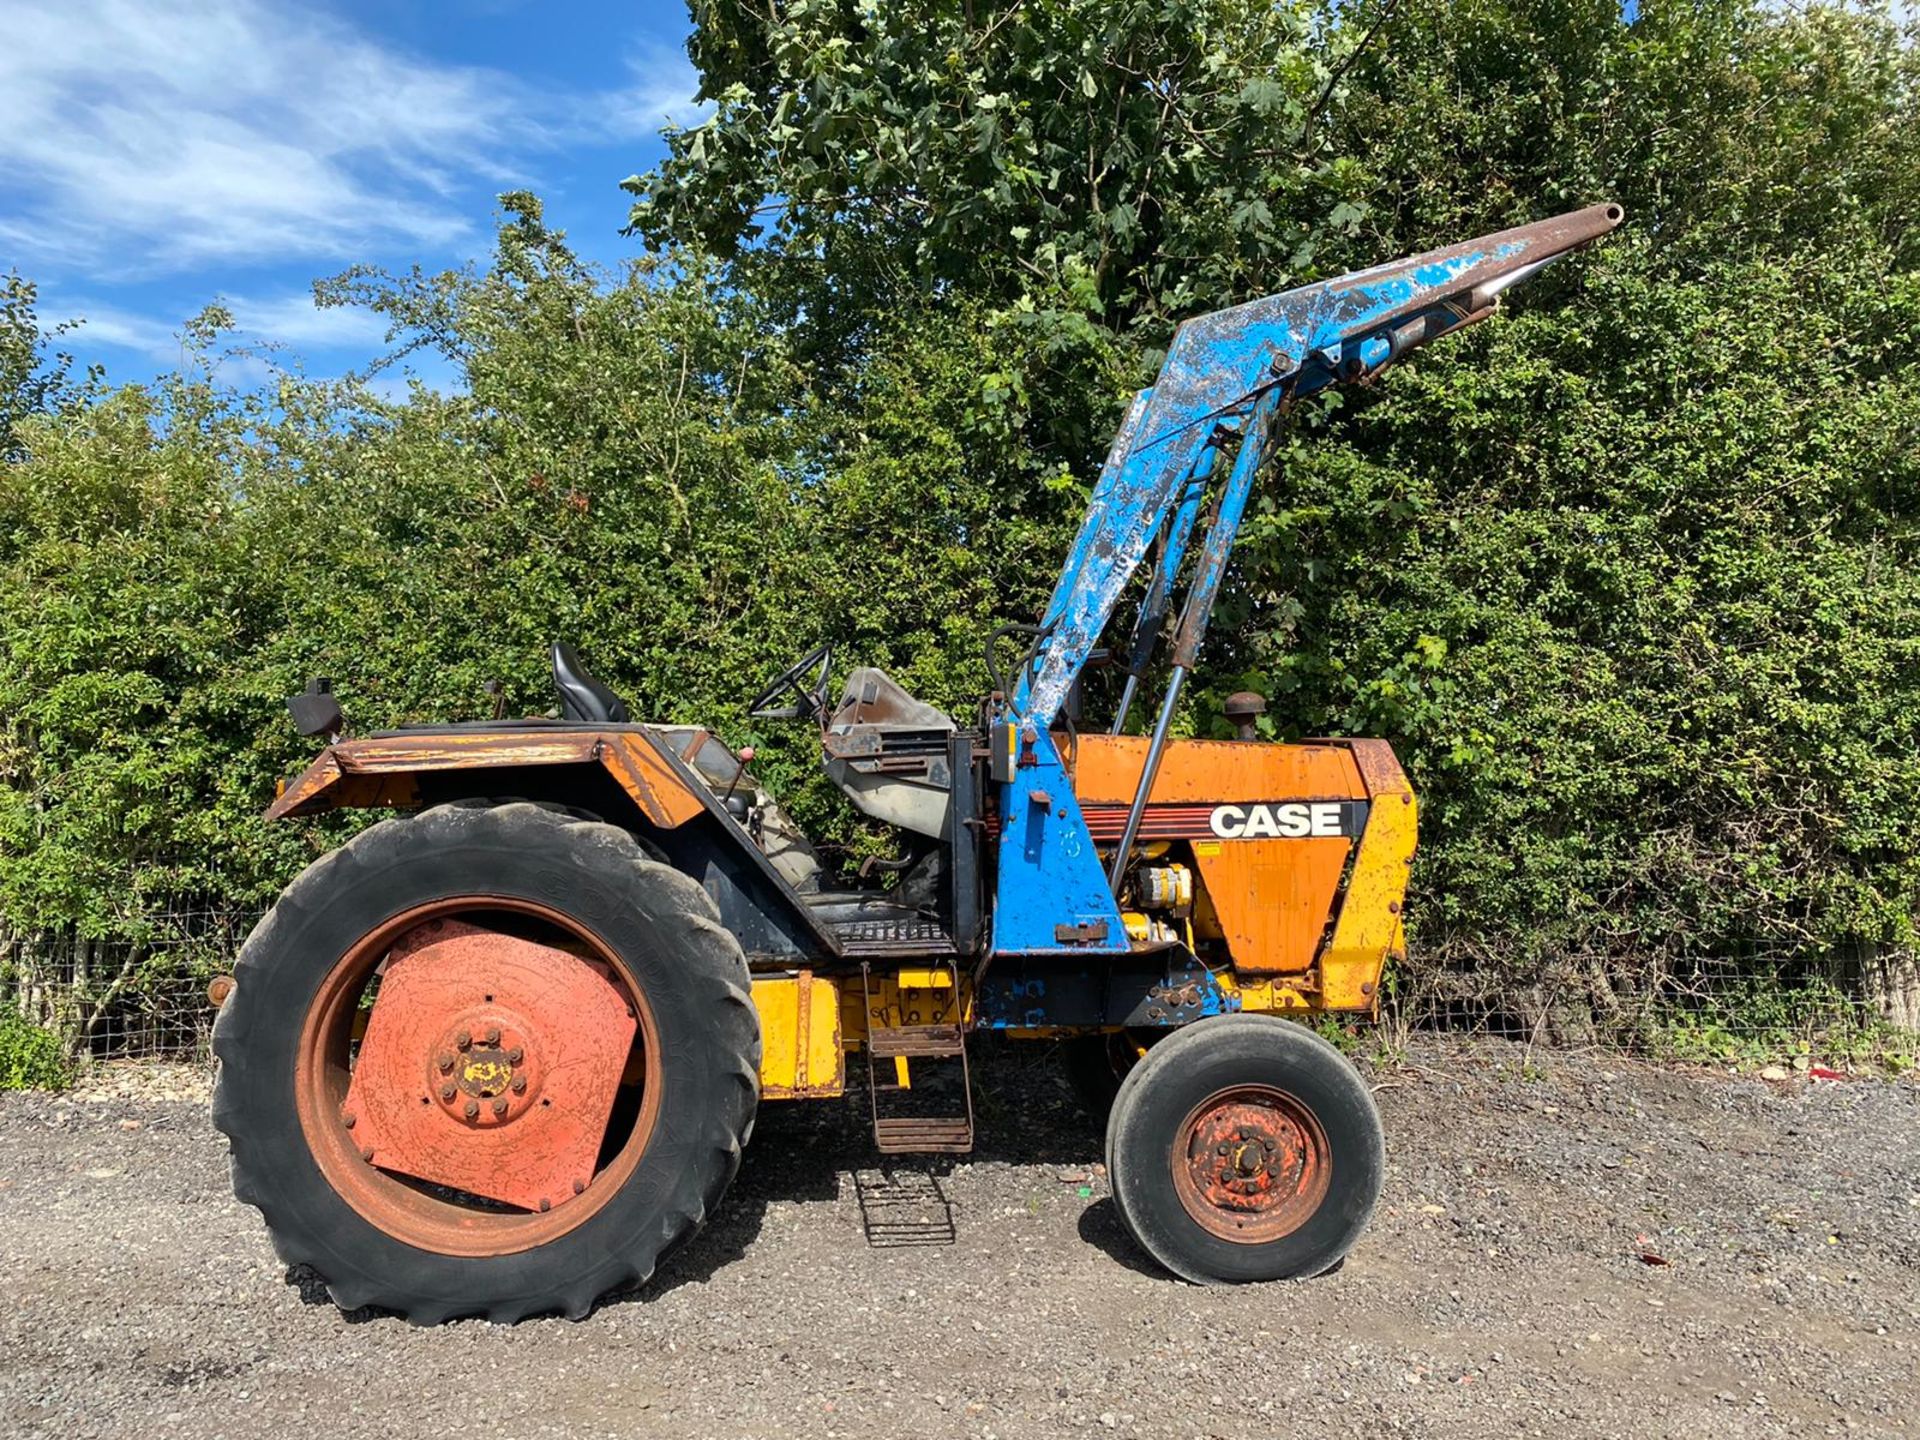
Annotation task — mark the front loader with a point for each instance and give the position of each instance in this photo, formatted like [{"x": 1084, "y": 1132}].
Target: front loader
[{"x": 499, "y": 1053}]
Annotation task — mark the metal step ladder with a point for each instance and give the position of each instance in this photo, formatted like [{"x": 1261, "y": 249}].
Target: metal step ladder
[{"x": 918, "y": 1134}]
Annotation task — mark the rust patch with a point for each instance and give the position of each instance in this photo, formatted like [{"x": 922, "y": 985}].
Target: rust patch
[
  {"x": 489, "y": 1065},
  {"x": 1251, "y": 1164},
  {"x": 380, "y": 770}
]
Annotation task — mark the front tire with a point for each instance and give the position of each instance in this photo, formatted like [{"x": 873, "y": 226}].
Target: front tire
[
  {"x": 1242, "y": 1148},
  {"x": 573, "y": 892}
]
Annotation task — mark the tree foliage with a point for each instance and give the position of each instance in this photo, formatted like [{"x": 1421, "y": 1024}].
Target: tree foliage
[
  {"x": 1146, "y": 156},
  {"x": 34, "y": 378},
  {"x": 1627, "y": 576}
]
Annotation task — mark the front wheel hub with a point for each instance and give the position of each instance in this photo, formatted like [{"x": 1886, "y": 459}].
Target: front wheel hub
[
  {"x": 1251, "y": 1164},
  {"x": 489, "y": 1065}
]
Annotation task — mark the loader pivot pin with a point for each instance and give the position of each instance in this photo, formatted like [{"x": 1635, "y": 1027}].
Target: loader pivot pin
[{"x": 1251, "y": 1164}]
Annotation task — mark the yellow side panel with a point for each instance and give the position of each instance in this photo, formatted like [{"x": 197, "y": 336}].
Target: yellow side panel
[
  {"x": 800, "y": 1054},
  {"x": 1368, "y": 929},
  {"x": 1265, "y": 997}
]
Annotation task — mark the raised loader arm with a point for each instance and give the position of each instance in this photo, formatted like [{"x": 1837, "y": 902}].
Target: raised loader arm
[
  {"x": 1218, "y": 367},
  {"x": 1228, "y": 376}
]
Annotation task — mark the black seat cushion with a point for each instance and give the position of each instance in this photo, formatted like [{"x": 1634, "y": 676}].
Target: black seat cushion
[{"x": 583, "y": 698}]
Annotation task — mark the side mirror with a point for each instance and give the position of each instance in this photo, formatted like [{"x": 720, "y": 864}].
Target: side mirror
[{"x": 316, "y": 712}]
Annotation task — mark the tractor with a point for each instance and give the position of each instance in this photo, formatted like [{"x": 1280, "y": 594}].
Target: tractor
[{"x": 500, "y": 1052}]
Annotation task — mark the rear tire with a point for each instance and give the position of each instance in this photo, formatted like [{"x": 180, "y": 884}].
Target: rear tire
[
  {"x": 656, "y": 934},
  {"x": 1242, "y": 1148}
]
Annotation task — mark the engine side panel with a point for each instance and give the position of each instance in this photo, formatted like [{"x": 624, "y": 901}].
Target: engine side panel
[{"x": 1301, "y": 850}]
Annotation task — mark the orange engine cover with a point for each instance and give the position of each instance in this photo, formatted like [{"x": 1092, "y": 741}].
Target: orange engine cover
[
  {"x": 489, "y": 1065},
  {"x": 1272, "y": 884}
]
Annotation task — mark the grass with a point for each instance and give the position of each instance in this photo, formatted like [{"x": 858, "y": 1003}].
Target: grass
[{"x": 1758, "y": 1021}]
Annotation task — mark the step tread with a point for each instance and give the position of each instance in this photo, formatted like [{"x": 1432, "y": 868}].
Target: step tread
[
  {"x": 927, "y": 1041},
  {"x": 906, "y": 1134}
]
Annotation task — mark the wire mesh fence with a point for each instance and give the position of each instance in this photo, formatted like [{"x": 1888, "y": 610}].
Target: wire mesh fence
[
  {"x": 1761, "y": 1004},
  {"x": 147, "y": 1000},
  {"x": 142, "y": 999}
]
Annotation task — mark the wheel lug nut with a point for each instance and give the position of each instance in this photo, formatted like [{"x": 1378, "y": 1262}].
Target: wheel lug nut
[
  {"x": 545, "y": 1204},
  {"x": 579, "y": 1187},
  {"x": 519, "y": 1084},
  {"x": 445, "y": 1062},
  {"x": 447, "y": 1092},
  {"x": 464, "y": 1040},
  {"x": 493, "y": 1035},
  {"x": 516, "y": 1055},
  {"x": 366, "y": 1154},
  {"x": 499, "y": 1107},
  {"x": 348, "y": 1119},
  {"x": 473, "y": 1110}
]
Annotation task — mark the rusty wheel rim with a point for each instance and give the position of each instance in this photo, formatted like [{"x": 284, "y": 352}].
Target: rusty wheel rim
[
  {"x": 406, "y": 1210},
  {"x": 1251, "y": 1164}
]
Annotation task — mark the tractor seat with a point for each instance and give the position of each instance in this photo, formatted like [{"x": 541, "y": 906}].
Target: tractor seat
[{"x": 583, "y": 698}]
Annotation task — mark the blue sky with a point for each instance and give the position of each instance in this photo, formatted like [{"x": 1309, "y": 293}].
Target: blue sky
[{"x": 156, "y": 155}]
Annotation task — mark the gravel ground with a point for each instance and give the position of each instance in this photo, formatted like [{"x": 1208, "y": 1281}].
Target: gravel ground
[{"x": 1502, "y": 1289}]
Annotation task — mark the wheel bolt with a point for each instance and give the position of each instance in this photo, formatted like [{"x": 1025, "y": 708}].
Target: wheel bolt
[
  {"x": 519, "y": 1084},
  {"x": 516, "y": 1055},
  {"x": 445, "y": 1062},
  {"x": 447, "y": 1092},
  {"x": 473, "y": 1110},
  {"x": 464, "y": 1040},
  {"x": 493, "y": 1035},
  {"x": 348, "y": 1119},
  {"x": 579, "y": 1187},
  {"x": 366, "y": 1154},
  {"x": 545, "y": 1204},
  {"x": 499, "y": 1107}
]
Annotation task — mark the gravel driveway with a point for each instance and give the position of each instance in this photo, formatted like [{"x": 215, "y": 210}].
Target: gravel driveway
[{"x": 1502, "y": 1289}]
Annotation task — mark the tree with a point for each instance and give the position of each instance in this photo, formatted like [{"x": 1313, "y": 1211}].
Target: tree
[
  {"x": 32, "y": 380},
  {"x": 1151, "y": 157}
]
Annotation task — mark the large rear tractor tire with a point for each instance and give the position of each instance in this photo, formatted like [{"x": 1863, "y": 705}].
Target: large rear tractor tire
[
  {"x": 1245, "y": 1147},
  {"x": 486, "y": 1060}
]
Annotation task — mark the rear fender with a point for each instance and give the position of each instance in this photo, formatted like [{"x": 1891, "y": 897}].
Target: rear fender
[
  {"x": 637, "y": 777},
  {"x": 389, "y": 770}
]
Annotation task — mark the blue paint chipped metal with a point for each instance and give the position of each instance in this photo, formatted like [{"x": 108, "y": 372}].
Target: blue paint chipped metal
[
  {"x": 1052, "y": 894},
  {"x": 1302, "y": 341},
  {"x": 1228, "y": 377},
  {"x": 1149, "y": 990}
]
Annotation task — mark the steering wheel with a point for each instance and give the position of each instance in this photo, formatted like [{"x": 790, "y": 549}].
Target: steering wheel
[{"x": 812, "y": 697}]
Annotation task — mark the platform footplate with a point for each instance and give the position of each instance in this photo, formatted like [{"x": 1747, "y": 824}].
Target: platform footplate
[{"x": 897, "y": 1134}]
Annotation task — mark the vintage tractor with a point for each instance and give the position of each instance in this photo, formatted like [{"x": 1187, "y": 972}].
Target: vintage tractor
[{"x": 498, "y": 1055}]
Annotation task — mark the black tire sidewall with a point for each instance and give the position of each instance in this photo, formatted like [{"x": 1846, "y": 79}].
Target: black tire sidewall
[
  {"x": 1186, "y": 1069},
  {"x": 639, "y": 911}
]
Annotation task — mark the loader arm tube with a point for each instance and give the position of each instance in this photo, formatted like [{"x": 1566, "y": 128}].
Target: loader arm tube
[
  {"x": 1159, "y": 597},
  {"x": 1254, "y": 444},
  {"x": 1299, "y": 342}
]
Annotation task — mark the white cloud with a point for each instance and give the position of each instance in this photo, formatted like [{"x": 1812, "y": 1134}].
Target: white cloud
[
  {"x": 662, "y": 93},
  {"x": 123, "y": 330},
  {"x": 290, "y": 319},
  {"x": 141, "y": 136},
  {"x": 142, "y": 139},
  {"x": 293, "y": 319}
]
